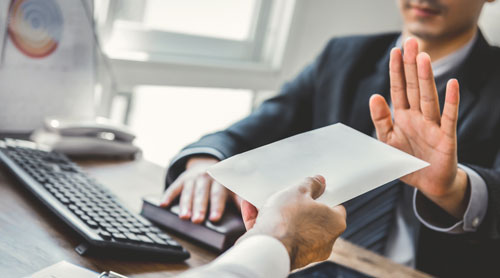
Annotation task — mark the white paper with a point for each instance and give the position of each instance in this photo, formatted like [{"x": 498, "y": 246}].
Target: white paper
[
  {"x": 64, "y": 269},
  {"x": 352, "y": 163}
]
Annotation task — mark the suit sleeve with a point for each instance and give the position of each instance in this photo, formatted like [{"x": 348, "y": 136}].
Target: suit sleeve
[
  {"x": 287, "y": 114},
  {"x": 482, "y": 217},
  {"x": 490, "y": 226},
  {"x": 430, "y": 214}
]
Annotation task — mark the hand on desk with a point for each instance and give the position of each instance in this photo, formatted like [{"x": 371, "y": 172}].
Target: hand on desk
[
  {"x": 420, "y": 130},
  {"x": 307, "y": 228},
  {"x": 196, "y": 188}
]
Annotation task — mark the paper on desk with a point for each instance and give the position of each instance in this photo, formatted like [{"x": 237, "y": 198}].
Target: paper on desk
[
  {"x": 63, "y": 269},
  {"x": 352, "y": 163}
]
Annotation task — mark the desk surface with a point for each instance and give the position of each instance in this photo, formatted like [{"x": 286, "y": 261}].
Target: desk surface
[{"x": 32, "y": 238}]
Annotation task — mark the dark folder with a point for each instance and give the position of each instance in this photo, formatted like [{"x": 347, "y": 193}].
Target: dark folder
[{"x": 220, "y": 235}]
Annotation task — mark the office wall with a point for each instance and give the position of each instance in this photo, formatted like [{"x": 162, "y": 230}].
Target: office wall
[
  {"x": 490, "y": 22},
  {"x": 317, "y": 21}
]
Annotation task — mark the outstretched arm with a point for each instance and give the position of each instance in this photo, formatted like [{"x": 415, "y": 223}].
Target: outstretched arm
[
  {"x": 420, "y": 130},
  {"x": 292, "y": 230}
]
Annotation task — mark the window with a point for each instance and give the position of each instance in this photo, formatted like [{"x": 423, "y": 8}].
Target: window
[
  {"x": 193, "y": 30},
  {"x": 168, "y": 118},
  {"x": 223, "y": 19},
  {"x": 193, "y": 51}
]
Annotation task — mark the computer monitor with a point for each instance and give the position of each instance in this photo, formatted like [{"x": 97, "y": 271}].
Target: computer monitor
[{"x": 50, "y": 64}]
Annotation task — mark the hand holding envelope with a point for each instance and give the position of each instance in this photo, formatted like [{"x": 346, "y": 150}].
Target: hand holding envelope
[{"x": 352, "y": 163}]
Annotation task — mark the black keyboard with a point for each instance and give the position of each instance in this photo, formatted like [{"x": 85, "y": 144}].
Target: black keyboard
[{"x": 107, "y": 227}]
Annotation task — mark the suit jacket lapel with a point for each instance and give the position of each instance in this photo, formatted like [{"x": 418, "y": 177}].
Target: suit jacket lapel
[
  {"x": 471, "y": 76},
  {"x": 376, "y": 81}
]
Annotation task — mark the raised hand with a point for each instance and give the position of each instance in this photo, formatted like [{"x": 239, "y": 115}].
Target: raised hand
[{"x": 419, "y": 128}]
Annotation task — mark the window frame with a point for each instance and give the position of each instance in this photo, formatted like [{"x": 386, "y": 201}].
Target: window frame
[{"x": 164, "y": 46}]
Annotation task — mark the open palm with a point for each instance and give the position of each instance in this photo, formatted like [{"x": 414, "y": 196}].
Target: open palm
[{"x": 418, "y": 127}]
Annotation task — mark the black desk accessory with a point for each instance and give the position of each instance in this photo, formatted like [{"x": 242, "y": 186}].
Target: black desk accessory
[{"x": 219, "y": 236}]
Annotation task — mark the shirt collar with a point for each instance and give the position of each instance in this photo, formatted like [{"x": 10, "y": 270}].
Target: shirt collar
[{"x": 449, "y": 62}]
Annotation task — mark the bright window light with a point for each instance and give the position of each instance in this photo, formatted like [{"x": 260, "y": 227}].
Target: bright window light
[
  {"x": 166, "y": 119},
  {"x": 215, "y": 33},
  {"x": 227, "y": 19}
]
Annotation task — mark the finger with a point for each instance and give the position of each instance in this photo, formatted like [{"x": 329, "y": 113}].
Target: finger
[
  {"x": 313, "y": 186},
  {"x": 381, "y": 117},
  {"x": 172, "y": 192},
  {"x": 411, "y": 76},
  {"x": 218, "y": 197},
  {"x": 450, "y": 110},
  {"x": 398, "y": 83},
  {"x": 237, "y": 200},
  {"x": 249, "y": 214},
  {"x": 186, "y": 201},
  {"x": 200, "y": 203},
  {"x": 429, "y": 102}
]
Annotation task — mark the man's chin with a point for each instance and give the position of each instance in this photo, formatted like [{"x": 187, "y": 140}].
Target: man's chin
[{"x": 425, "y": 32}]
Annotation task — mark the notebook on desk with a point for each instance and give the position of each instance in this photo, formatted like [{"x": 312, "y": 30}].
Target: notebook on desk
[
  {"x": 219, "y": 236},
  {"x": 65, "y": 269}
]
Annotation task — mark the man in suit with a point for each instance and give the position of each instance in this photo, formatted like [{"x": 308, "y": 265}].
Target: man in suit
[{"x": 451, "y": 208}]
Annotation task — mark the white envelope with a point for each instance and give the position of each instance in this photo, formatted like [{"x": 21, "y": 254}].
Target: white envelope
[{"x": 351, "y": 162}]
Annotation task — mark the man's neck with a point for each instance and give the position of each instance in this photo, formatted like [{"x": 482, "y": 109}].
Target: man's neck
[{"x": 440, "y": 48}]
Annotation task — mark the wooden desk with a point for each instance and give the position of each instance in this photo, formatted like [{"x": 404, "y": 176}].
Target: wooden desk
[{"x": 32, "y": 238}]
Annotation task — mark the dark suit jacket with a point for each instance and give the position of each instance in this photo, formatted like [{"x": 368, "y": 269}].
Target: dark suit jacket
[{"x": 336, "y": 88}]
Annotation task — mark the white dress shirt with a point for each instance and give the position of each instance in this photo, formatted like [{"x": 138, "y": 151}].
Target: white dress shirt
[{"x": 258, "y": 256}]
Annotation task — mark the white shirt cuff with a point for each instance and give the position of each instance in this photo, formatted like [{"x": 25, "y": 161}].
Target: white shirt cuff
[
  {"x": 259, "y": 256},
  {"x": 473, "y": 216}
]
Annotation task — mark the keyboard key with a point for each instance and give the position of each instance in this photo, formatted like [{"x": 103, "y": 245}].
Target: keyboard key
[
  {"x": 86, "y": 218},
  {"x": 157, "y": 239},
  {"x": 119, "y": 236},
  {"x": 92, "y": 224},
  {"x": 132, "y": 237},
  {"x": 112, "y": 230},
  {"x": 105, "y": 234},
  {"x": 123, "y": 229},
  {"x": 105, "y": 224},
  {"x": 154, "y": 229},
  {"x": 174, "y": 243},
  {"x": 163, "y": 236},
  {"x": 64, "y": 200},
  {"x": 135, "y": 231},
  {"x": 145, "y": 239}
]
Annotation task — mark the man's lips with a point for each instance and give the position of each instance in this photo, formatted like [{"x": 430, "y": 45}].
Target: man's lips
[{"x": 424, "y": 11}]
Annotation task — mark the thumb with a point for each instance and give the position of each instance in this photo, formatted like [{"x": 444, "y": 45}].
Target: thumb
[
  {"x": 313, "y": 186},
  {"x": 381, "y": 116}
]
